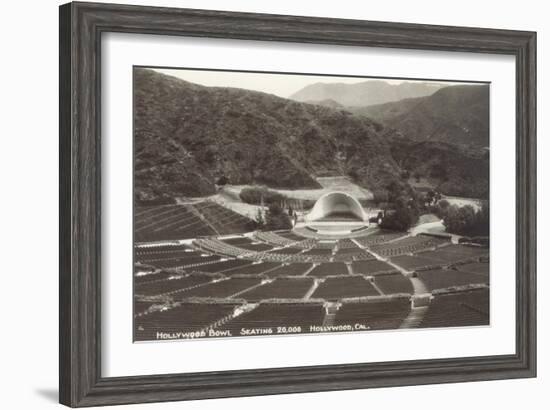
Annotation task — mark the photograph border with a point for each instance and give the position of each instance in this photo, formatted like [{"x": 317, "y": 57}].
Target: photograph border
[{"x": 81, "y": 27}]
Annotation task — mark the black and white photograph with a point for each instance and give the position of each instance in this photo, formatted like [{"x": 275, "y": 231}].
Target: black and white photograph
[{"x": 272, "y": 204}]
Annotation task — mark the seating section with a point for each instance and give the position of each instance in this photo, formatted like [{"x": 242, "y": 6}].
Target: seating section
[
  {"x": 291, "y": 235},
  {"x": 223, "y": 266},
  {"x": 329, "y": 269},
  {"x": 408, "y": 245},
  {"x": 446, "y": 278},
  {"x": 273, "y": 239},
  {"x": 226, "y": 280},
  {"x": 221, "y": 289},
  {"x": 273, "y": 315},
  {"x": 379, "y": 237},
  {"x": 371, "y": 267},
  {"x": 350, "y": 254},
  {"x": 255, "y": 269},
  {"x": 168, "y": 222},
  {"x": 287, "y": 251},
  {"x": 454, "y": 254},
  {"x": 458, "y": 309},
  {"x": 282, "y": 288},
  {"x": 394, "y": 283},
  {"x": 413, "y": 262},
  {"x": 161, "y": 287},
  {"x": 175, "y": 258},
  {"x": 318, "y": 251},
  {"x": 481, "y": 268},
  {"x": 213, "y": 245},
  {"x": 344, "y": 287},
  {"x": 374, "y": 314},
  {"x": 223, "y": 220},
  {"x": 151, "y": 277},
  {"x": 293, "y": 269},
  {"x": 184, "y": 319}
]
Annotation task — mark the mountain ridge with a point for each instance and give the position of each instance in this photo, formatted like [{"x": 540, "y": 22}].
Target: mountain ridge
[{"x": 365, "y": 93}]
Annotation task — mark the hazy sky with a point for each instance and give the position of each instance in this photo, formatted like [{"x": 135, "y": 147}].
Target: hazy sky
[{"x": 283, "y": 85}]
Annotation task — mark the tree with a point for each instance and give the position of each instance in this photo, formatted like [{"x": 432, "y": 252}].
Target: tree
[
  {"x": 276, "y": 218},
  {"x": 460, "y": 220},
  {"x": 402, "y": 217},
  {"x": 260, "y": 220}
]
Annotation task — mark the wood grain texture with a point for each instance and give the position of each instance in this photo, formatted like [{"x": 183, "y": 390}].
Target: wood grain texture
[{"x": 81, "y": 26}]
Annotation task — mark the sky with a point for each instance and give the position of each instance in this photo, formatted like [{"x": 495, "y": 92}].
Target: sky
[{"x": 282, "y": 85}]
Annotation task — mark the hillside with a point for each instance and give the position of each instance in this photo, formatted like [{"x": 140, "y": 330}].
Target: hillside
[
  {"x": 448, "y": 168},
  {"x": 365, "y": 93},
  {"x": 187, "y": 136},
  {"x": 457, "y": 115}
]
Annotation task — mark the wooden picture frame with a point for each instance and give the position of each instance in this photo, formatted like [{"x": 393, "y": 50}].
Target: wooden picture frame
[{"x": 81, "y": 28}]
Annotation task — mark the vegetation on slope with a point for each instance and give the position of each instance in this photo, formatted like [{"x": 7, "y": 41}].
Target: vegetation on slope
[
  {"x": 188, "y": 136},
  {"x": 458, "y": 115}
]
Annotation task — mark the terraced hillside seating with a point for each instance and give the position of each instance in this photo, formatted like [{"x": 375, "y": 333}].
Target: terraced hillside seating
[
  {"x": 450, "y": 254},
  {"x": 168, "y": 222},
  {"x": 223, "y": 220},
  {"x": 170, "y": 285},
  {"x": 160, "y": 249},
  {"x": 466, "y": 251},
  {"x": 221, "y": 289},
  {"x": 329, "y": 269},
  {"x": 185, "y": 318},
  {"x": 394, "y": 283},
  {"x": 294, "y": 269},
  {"x": 176, "y": 259},
  {"x": 291, "y": 235},
  {"x": 458, "y": 309},
  {"x": 255, "y": 269},
  {"x": 237, "y": 241},
  {"x": 379, "y": 237},
  {"x": 181, "y": 253},
  {"x": 282, "y": 288},
  {"x": 346, "y": 244},
  {"x": 213, "y": 245},
  {"x": 344, "y": 287},
  {"x": 411, "y": 263},
  {"x": 375, "y": 314},
  {"x": 223, "y": 266},
  {"x": 409, "y": 244},
  {"x": 481, "y": 268},
  {"x": 371, "y": 267},
  {"x": 306, "y": 243},
  {"x": 272, "y": 315},
  {"x": 256, "y": 247},
  {"x": 445, "y": 278},
  {"x": 323, "y": 244},
  {"x": 273, "y": 239},
  {"x": 318, "y": 252},
  {"x": 350, "y": 254},
  {"x": 287, "y": 251},
  {"x": 151, "y": 277}
]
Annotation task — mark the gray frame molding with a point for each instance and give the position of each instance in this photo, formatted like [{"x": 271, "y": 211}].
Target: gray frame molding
[{"x": 81, "y": 26}]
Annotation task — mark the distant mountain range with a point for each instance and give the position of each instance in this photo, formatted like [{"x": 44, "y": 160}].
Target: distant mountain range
[
  {"x": 187, "y": 136},
  {"x": 456, "y": 114},
  {"x": 365, "y": 93}
]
